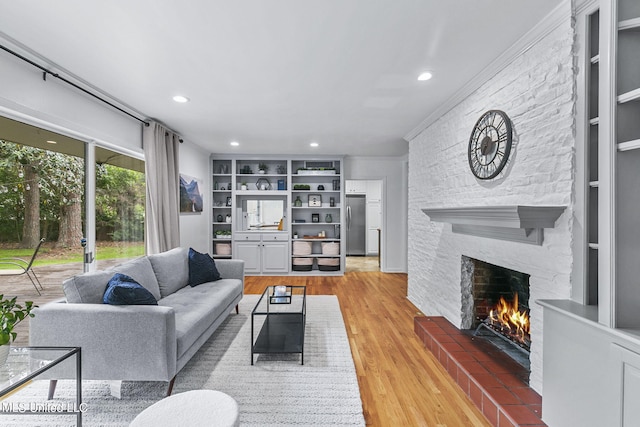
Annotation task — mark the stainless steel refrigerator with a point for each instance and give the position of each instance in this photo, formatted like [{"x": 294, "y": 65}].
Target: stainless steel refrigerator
[{"x": 356, "y": 225}]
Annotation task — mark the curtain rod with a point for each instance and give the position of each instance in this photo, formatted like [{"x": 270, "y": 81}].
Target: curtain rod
[{"x": 44, "y": 77}]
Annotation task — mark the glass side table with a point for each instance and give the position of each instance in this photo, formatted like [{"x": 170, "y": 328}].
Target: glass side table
[{"x": 25, "y": 364}]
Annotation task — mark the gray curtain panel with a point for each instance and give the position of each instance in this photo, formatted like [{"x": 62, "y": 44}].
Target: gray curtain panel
[{"x": 162, "y": 228}]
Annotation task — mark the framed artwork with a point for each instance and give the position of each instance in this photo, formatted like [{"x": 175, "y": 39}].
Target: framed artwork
[
  {"x": 315, "y": 217},
  {"x": 191, "y": 200},
  {"x": 229, "y": 201}
]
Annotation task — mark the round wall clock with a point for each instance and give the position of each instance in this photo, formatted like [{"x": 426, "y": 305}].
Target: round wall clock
[{"x": 490, "y": 144}]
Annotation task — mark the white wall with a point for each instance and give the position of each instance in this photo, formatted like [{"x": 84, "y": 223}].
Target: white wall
[
  {"x": 54, "y": 105},
  {"x": 393, "y": 172},
  {"x": 536, "y": 90},
  {"x": 195, "y": 228}
]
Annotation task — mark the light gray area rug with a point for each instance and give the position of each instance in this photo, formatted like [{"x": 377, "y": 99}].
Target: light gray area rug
[{"x": 275, "y": 391}]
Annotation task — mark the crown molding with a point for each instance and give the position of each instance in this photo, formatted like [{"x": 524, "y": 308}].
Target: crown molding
[{"x": 553, "y": 20}]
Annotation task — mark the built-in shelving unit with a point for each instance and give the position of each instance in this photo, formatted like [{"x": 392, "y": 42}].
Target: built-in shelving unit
[
  {"x": 625, "y": 174},
  {"x": 275, "y": 202},
  {"x": 222, "y": 206},
  {"x": 592, "y": 147},
  {"x": 319, "y": 181}
]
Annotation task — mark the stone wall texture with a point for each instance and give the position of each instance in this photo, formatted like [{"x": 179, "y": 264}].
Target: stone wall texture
[{"x": 537, "y": 91}]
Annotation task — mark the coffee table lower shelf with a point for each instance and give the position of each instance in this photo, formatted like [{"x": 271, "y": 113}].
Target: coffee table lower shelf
[{"x": 281, "y": 333}]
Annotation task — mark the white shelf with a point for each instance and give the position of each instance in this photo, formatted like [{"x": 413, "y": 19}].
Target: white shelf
[
  {"x": 593, "y": 246},
  {"x": 315, "y": 223},
  {"x": 594, "y": 184},
  {"x": 260, "y": 192},
  {"x": 595, "y": 59},
  {"x": 595, "y": 121},
  {"x": 316, "y": 256},
  {"x": 629, "y": 25},
  {"x": 629, "y": 145},
  {"x": 316, "y": 191},
  {"x": 327, "y": 239},
  {"x": 315, "y": 207},
  {"x": 630, "y": 96},
  {"x": 262, "y": 175}
]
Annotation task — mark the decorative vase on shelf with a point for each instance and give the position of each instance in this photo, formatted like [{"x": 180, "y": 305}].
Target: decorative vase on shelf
[
  {"x": 297, "y": 203},
  {"x": 219, "y": 218},
  {"x": 4, "y": 353},
  {"x": 328, "y": 218}
]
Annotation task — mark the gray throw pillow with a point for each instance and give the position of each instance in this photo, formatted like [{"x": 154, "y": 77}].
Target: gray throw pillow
[{"x": 171, "y": 269}]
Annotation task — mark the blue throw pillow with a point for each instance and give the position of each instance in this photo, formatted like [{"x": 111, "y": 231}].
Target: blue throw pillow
[
  {"x": 202, "y": 268},
  {"x": 123, "y": 290}
]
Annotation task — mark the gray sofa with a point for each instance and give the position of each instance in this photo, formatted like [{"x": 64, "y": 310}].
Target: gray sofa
[{"x": 138, "y": 342}]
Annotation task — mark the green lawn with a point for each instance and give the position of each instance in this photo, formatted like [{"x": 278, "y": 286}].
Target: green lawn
[{"x": 50, "y": 255}]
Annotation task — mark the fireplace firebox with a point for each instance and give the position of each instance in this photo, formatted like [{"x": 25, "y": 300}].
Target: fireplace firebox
[{"x": 495, "y": 302}]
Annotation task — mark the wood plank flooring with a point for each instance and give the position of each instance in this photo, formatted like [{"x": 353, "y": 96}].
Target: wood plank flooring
[{"x": 401, "y": 383}]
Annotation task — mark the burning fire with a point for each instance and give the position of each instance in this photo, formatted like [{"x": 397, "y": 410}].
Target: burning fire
[{"x": 509, "y": 320}]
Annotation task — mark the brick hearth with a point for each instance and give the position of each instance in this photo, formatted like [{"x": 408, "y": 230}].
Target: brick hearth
[{"x": 495, "y": 383}]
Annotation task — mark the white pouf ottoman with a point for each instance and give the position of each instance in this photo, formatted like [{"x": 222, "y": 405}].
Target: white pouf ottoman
[{"x": 191, "y": 408}]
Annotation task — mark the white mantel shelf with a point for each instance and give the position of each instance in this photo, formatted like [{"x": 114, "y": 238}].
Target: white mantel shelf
[{"x": 515, "y": 223}]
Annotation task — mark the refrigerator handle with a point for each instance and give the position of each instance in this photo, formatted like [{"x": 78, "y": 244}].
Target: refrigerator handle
[{"x": 348, "y": 217}]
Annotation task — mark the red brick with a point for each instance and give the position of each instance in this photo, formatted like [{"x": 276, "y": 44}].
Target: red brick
[
  {"x": 527, "y": 395},
  {"x": 490, "y": 410},
  {"x": 521, "y": 414},
  {"x": 476, "y": 394}
]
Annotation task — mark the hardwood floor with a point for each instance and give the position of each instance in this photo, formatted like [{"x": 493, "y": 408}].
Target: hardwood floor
[{"x": 401, "y": 383}]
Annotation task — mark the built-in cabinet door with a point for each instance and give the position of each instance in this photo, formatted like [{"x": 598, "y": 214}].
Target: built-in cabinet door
[
  {"x": 356, "y": 186},
  {"x": 374, "y": 190},
  {"x": 275, "y": 257},
  {"x": 249, "y": 251}
]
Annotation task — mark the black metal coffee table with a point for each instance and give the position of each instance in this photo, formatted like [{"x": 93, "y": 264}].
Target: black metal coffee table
[{"x": 280, "y": 317}]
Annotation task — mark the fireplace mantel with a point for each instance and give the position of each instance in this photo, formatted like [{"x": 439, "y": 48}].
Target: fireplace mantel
[{"x": 514, "y": 223}]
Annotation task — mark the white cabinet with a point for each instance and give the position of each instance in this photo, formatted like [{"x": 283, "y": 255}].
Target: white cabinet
[
  {"x": 374, "y": 190},
  {"x": 263, "y": 252},
  {"x": 355, "y": 186},
  {"x": 374, "y": 219}
]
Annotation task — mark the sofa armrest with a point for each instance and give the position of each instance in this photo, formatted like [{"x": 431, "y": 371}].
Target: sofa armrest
[
  {"x": 231, "y": 269},
  {"x": 135, "y": 342}
]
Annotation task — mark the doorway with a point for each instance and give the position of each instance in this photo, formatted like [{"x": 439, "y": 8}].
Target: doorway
[{"x": 364, "y": 219}]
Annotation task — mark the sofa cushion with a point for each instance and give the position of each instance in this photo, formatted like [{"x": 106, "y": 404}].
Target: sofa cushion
[
  {"x": 141, "y": 271},
  {"x": 198, "y": 307},
  {"x": 124, "y": 290},
  {"x": 202, "y": 268},
  {"x": 86, "y": 288},
  {"x": 171, "y": 269}
]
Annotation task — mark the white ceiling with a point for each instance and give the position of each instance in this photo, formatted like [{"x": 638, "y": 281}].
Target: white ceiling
[{"x": 275, "y": 75}]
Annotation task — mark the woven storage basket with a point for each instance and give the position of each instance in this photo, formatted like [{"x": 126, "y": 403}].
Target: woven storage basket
[
  {"x": 301, "y": 248},
  {"x": 330, "y": 248},
  {"x": 328, "y": 264},
  {"x": 329, "y": 261},
  {"x": 223, "y": 248},
  {"x": 302, "y": 264}
]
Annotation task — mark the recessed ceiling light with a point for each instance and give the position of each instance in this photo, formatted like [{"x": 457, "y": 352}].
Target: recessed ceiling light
[
  {"x": 51, "y": 142},
  {"x": 314, "y": 144},
  {"x": 181, "y": 99},
  {"x": 425, "y": 76},
  {"x": 234, "y": 143}
]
